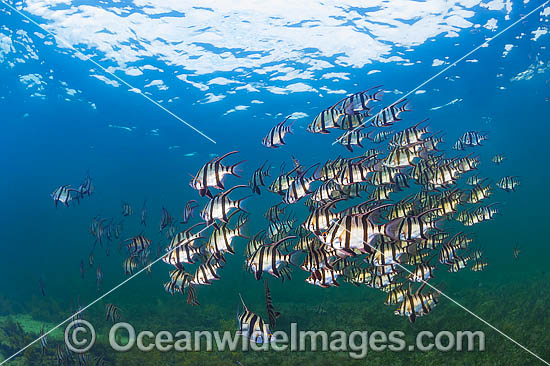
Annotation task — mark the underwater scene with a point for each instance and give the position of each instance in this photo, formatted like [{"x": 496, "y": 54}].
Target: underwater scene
[{"x": 275, "y": 182}]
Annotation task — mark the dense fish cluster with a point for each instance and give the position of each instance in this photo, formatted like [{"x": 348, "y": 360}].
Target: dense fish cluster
[
  {"x": 394, "y": 239},
  {"x": 388, "y": 218}
]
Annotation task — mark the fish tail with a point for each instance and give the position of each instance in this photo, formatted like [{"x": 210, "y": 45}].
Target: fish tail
[
  {"x": 233, "y": 169},
  {"x": 289, "y": 127},
  {"x": 294, "y": 258},
  {"x": 404, "y": 108},
  {"x": 240, "y": 204},
  {"x": 379, "y": 93}
]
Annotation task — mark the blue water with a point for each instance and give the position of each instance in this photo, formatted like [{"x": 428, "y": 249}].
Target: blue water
[{"x": 51, "y": 142}]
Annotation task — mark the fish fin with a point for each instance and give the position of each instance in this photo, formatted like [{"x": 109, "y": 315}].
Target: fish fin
[
  {"x": 240, "y": 204},
  {"x": 295, "y": 258},
  {"x": 233, "y": 169}
]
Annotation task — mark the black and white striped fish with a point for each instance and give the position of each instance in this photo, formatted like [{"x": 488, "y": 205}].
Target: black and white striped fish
[
  {"x": 258, "y": 177},
  {"x": 389, "y": 115},
  {"x": 276, "y": 135},
  {"x": 352, "y": 138},
  {"x": 220, "y": 205},
  {"x": 271, "y": 312},
  {"x": 112, "y": 313},
  {"x": 328, "y": 118},
  {"x": 130, "y": 264},
  {"x": 299, "y": 188},
  {"x": 165, "y": 219},
  {"x": 275, "y": 212},
  {"x": 268, "y": 258},
  {"x": 359, "y": 102},
  {"x": 470, "y": 139},
  {"x": 43, "y": 341},
  {"x": 126, "y": 209},
  {"x": 417, "y": 304},
  {"x": 222, "y": 236},
  {"x": 324, "y": 277},
  {"x": 207, "y": 272},
  {"x": 252, "y": 326},
  {"x": 212, "y": 174},
  {"x": 188, "y": 211},
  {"x": 64, "y": 195},
  {"x": 508, "y": 184},
  {"x": 137, "y": 244}
]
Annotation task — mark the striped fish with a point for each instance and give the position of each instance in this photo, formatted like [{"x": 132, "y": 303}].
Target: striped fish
[
  {"x": 254, "y": 243},
  {"x": 212, "y": 174},
  {"x": 353, "y": 171},
  {"x": 112, "y": 313},
  {"x": 410, "y": 227},
  {"x": 327, "y": 191},
  {"x": 328, "y": 118},
  {"x": 401, "y": 157},
  {"x": 207, "y": 272},
  {"x": 252, "y": 326},
  {"x": 222, "y": 236},
  {"x": 282, "y": 182},
  {"x": 317, "y": 258},
  {"x": 137, "y": 244},
  {"x": 459, "y": 264},
  {"x": 279, "y": 229},
  {"x": 417, "y": 304},
  {"x": 352, "y": 138},
  {"x": 64, "y": 195},
  {"x": 188, "y": 211},
  {"x": 186, "y": 237},
  {"x": 422, "y": 272},
  {"x": 389, "y": 115},
  {"x": 268, "y": 258},
  {"x": 410, "y": 136},
  {"x": 179, "y": 280},
  {"x": 473, "y": 180},
  {"x": 274, "y": 212},
  {"x": 352, "y": 232},
  {"x": 479, "y": 266},
  {"x": 351, "y": 121},
  {"x": 126, "y": 209},
  {"x": 470, "y": 139},
  {"x": 324, "y": 277},
  {"x": 130, "y": 264},
  {"x": 359, "y": 102},
  {"x": 165, "y": 219},
  {"x": 380, "y": 136},
  {"x": 321, "y": 218},
  {"x": 397, "y": 296},
  {"x": 271, "y": 312},
  {"x": 276, "y": 135},
  {"x": 508, "y": 184},
  {"x": 299, "y": 188},
  {"x": 498, "y": 159},
  {"x": 43, "y": 341},
  {"x": 220, "y": 205},
  {"x": 257, "y": 179}
]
